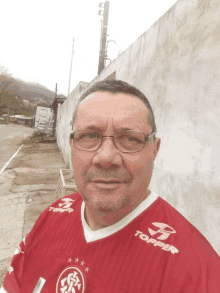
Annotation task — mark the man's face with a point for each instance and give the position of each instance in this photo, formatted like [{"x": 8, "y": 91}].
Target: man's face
[{"x": 109, "y": 113}]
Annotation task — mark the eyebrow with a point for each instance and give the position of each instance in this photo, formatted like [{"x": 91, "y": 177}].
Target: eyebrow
[
  {"x": 125, "y": 128},
  {"x": 92, "y": 127},
  {"x": 99, "y": 127}
]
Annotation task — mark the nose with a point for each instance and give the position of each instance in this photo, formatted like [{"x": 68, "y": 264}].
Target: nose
[{"x": 107, "y": 155}]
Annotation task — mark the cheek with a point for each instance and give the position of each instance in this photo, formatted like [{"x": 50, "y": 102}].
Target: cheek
[
  {"x": 81, "y": 163},
  {"x": 142, "y": 172},
  {"x": 139, "y": 166}
]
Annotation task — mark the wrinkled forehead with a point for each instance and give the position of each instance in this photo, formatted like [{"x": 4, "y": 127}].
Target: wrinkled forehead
[{"x": 100, "y": 107}]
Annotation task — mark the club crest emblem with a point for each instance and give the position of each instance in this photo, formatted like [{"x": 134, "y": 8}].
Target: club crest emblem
[{"x": 71, "y": 280}]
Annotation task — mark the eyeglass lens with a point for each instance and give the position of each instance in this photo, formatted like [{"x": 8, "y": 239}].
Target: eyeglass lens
[{"x": 125, "y": 141}]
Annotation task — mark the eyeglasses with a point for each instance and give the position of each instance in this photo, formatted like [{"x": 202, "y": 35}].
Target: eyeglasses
[{"x": 127, "y": 141}]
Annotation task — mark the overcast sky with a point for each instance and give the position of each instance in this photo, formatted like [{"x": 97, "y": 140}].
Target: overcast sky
[{"x": 36, "y": 36}]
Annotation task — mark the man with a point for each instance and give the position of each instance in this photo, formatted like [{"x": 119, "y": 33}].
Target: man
[{"x": 114, "y": 235}]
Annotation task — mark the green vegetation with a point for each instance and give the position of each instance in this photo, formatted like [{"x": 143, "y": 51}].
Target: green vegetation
[
  {"x": 22, "y": 98},
  {"x": 16, "y": 105},
  {"x": 10, "y": 103}
]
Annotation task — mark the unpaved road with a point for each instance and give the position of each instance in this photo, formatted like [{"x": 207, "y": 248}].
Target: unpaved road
[
  {"x": 27, "y": 187},
  {"x": 10, "y": 137}
]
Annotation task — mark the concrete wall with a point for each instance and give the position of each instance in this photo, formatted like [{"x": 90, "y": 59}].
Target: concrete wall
[
  {"x": 64, "y": 122},
  {"x": 176, "y": 63}
]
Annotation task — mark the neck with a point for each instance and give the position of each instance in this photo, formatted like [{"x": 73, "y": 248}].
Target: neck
[{"x": 98, "y": 219}]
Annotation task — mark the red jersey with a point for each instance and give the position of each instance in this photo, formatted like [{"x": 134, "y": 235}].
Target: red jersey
[{"x": 153, "y": 249}]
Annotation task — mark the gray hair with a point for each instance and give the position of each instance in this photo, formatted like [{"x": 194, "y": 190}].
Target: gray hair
[{"x": 117, "y": 86}]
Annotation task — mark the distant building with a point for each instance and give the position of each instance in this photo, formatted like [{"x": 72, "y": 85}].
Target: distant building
[
  {"x": 58, "y": 101},
  {"x": 24, "y": 120},
  {"x": 26, "y": 103},
  {"x": 19, "y": 119},
  {"x": 33, "y": 104},
  {"x": 44, "y": 120}
]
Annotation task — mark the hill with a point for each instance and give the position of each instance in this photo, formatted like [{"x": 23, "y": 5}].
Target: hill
[
  {"x": 22, "y": 97},
  {"x": 28, "y": 91}
]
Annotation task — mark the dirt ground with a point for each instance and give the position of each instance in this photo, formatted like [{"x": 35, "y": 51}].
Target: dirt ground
[
  {"x": 28, "y": 186},
  {"x": 10, "y": 138}
]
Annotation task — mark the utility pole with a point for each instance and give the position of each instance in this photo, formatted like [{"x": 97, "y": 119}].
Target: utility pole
[
  {"x": 56, "y": 91},
  {"x": 103, "y": 42},
  {"x": 9, "y": 101},
  {"x": 71, "y": 67},
  {"x": 55, "y": 113}
]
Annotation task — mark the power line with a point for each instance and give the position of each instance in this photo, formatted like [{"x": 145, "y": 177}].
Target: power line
[{"x": 71, "y": 68}]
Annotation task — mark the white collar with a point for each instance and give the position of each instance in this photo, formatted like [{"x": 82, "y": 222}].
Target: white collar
[{"x": 91, "y": 236}]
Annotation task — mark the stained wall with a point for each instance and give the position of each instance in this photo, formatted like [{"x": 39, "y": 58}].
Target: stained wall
[{"x": 176, "y": 63}]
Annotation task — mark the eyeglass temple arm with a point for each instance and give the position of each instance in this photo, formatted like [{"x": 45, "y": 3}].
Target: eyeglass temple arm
[{"x": 150, "y": 135}]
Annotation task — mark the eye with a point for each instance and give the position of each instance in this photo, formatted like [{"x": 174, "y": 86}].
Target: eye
[
  {"x": 90, "y": 135},
  {"x": 131, "y": 138}
]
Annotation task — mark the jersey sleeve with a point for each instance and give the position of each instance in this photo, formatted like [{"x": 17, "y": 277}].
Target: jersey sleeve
[
  {"x": 202, "y": 267},
  {"x": 208, "y": 266},
  {"x": 212, "y": 274},
  {"x": 13, "y": 277},
  {"x": 12, "y": 280}
]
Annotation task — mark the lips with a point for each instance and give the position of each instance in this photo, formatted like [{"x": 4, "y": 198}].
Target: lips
[
  {"x": 107, "y": 184},
  {"x": 106, "y": 181}
]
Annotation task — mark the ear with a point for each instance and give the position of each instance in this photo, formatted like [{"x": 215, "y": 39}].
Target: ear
[
  {"x": 71, "y": 143},
  {"x": 156, "y": 147}
]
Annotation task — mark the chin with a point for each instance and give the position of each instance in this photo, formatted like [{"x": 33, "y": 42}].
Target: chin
[
  {"x": 106, "y": 201},
  {"x": 108, "y": 205}
]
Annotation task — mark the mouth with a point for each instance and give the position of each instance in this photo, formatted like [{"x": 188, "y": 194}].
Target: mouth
[
  {"x": 106, "y": 184},
  {"x": 106, "y": 181}
]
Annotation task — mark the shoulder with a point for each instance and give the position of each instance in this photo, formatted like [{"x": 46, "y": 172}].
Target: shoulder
[
  {"x": 64, "y": 210},
  {"x": 66, "y": 203},
  {"x": 167, "y": 234},
  {"x": 186, "y": 232},
  {"x": 166, "y": 225}
]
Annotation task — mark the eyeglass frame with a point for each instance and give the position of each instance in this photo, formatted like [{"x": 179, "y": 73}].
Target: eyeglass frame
[{"x": 146, "y": 138}]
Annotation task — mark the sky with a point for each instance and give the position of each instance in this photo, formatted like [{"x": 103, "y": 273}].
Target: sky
[{"x": 37, "y": 37}]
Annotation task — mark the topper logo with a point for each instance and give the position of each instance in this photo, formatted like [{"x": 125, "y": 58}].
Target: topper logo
[
  {"x": 165, "y": 230},
  {"x": 63, "y": 207},
  {"x": 67, "y": 203},
  {"x": 164, "y": 246}
]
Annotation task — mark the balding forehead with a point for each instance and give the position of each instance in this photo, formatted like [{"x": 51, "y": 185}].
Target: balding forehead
[
  {"x": 119, "y": 98},
  {"x": 87, "y": 98},
  {"x": 108, "y": 100},
  {"x": 121, "y": 108}
]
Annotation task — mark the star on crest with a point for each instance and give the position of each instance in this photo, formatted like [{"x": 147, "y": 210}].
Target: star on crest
[
  {"x": 70, "y": 259},
  {"x": 86, "y": 269},
  {"x": 77, "y": 260},
  {"x": 10, "y": 270},
  {"x": 82, "y": 262}
]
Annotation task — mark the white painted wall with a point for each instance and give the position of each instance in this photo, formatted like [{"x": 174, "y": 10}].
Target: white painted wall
[{"x": 176, "y": 63}]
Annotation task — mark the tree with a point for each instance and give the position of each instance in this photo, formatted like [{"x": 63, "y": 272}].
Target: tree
[
  {"x": 5, "y": 83},
  {"x": 5, "y": 80}
]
